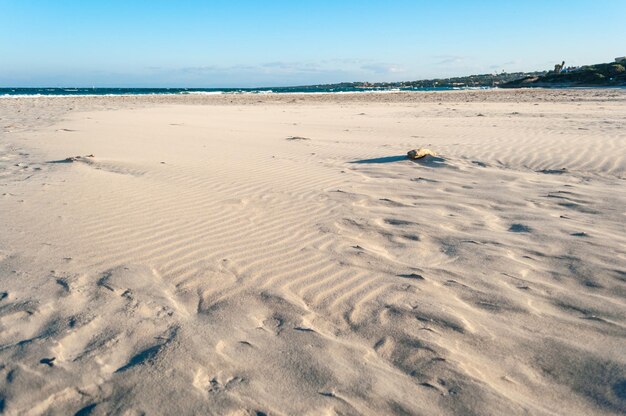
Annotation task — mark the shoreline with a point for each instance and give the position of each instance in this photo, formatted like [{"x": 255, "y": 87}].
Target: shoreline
[
  {"x": 538, "y": 94},
  {"x": 563, "y": 87}
]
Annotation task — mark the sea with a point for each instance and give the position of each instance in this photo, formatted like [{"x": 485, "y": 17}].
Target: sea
[{"x": 315, "y": 89}]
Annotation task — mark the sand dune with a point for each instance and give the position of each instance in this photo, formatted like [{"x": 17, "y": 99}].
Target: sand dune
[{"x": 201, "y": 262}]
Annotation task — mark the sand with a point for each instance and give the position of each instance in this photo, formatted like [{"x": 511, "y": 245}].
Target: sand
[{"x": 202, "y": 263}]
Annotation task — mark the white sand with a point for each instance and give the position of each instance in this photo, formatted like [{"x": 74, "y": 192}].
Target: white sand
[{"x": 201, "y": 263}]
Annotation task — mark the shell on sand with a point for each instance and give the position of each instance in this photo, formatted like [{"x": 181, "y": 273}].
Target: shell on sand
[{"x": 420, "y": 153}]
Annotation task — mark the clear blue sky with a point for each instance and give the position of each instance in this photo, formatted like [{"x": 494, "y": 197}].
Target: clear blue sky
[{"x": 266, "y": 43}]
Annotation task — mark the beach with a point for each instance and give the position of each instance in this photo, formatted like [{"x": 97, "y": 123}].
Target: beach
[{"x": 278, "y": 254}]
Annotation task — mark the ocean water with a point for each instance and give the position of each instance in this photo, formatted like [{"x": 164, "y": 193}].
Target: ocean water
[{"x": 10, "y": 92}]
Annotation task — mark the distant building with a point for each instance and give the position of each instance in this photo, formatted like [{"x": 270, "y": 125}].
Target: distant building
[{"x": 620, "y": 59}]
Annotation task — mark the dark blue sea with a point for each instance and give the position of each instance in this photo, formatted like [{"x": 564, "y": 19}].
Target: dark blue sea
[{"x": 175, "y": 91}]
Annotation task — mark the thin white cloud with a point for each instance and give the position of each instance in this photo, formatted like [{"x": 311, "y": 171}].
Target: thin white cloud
[
  {"x": 335, "y": 66},
  {"x": 450, "y": 59},
  {"x": 505, "y": 64},
  {"x": 383, "y": 68}
]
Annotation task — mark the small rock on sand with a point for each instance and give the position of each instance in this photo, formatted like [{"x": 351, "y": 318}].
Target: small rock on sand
[
  {"x": 420, "y": 153},
  {"x": 75, "y": 158}
]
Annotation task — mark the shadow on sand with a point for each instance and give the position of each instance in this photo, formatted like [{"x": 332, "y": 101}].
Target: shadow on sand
[
  {"x": 72, "y": 159},
  {"x": 429, "y": 161},
  {"x": 68, "y": 160}
]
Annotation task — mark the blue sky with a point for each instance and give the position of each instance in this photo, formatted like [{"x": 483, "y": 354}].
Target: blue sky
[{"x": 273, "y": 43}]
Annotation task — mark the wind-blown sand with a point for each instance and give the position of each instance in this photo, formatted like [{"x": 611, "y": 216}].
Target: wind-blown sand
[{"x": 201, "y": 263}]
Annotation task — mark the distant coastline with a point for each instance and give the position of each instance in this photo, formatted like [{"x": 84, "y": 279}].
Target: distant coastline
[
  {"x": 604, "y": 75},
  {"x": 484, "y": 81},
  {"x": 611, "y": 74}
]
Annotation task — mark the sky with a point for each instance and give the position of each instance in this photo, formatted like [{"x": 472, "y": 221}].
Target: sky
[{"x": 238, "y": 43}]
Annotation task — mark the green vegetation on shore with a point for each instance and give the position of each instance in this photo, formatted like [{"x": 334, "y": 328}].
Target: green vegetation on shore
[
  {"x": 599, "y": 75},
  {"x": 612, "y": 74},
  {"x": 481, "y": 80}
]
